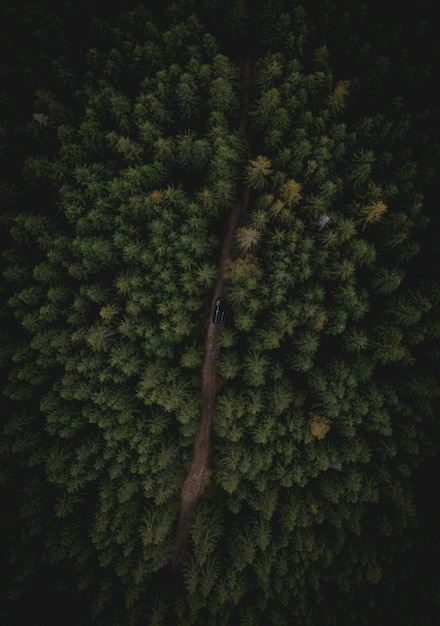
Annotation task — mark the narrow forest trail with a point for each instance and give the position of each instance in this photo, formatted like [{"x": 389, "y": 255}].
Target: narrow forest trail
[{"x": 197, "y": 474}]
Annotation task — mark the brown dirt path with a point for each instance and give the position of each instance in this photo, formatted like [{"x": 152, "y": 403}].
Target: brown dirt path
[{"x": 197, "y": 474}]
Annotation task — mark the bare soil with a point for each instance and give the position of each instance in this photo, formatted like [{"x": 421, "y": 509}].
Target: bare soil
[{"x": 198, "y": 471}]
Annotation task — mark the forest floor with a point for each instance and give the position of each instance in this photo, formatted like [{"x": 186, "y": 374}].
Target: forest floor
[{"x": 198, "y": 474}]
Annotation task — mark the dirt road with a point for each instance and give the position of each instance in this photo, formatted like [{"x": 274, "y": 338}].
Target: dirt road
[{"x": 197, "y": 474}]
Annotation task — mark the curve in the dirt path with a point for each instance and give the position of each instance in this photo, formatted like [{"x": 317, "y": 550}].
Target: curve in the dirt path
[{"x": 197, "y": 474}]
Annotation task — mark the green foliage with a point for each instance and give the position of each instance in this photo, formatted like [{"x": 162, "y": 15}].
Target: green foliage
[{"x": 115, "y": 202}]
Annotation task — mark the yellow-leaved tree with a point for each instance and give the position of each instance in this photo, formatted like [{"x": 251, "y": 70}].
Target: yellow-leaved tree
[
  {"x": 373, "y": 212},
  {"x": 257, "y": 171},
  {"x": 319, "y": 425}
]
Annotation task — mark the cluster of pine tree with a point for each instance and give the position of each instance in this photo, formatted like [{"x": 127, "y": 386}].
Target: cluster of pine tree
[{"x": 123, "y": 154}]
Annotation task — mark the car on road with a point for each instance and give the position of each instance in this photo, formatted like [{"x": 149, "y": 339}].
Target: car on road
[{"x": 219, "y": 311}]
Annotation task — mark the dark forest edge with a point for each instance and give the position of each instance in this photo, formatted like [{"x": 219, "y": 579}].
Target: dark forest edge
[{"x": 121, "y": 157}]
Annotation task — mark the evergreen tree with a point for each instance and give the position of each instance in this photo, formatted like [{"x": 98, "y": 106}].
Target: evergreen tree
[{"x": 129, "y": 136}]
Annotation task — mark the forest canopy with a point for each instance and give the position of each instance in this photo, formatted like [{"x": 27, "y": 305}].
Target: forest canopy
[{"x": 131, "y": 139}]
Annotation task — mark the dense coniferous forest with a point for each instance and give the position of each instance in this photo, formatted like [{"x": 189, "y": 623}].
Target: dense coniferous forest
[{"x": 132, "y": 137}]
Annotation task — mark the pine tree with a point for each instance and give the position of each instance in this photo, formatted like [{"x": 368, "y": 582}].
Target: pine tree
[
  {"x": 373, "y": 212},
  {"x": 257, "y": 172},
  {"x": 337, "y": 100},
  {"x": 360, "y": 168},
  {"x": 247, "y": 237}
]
